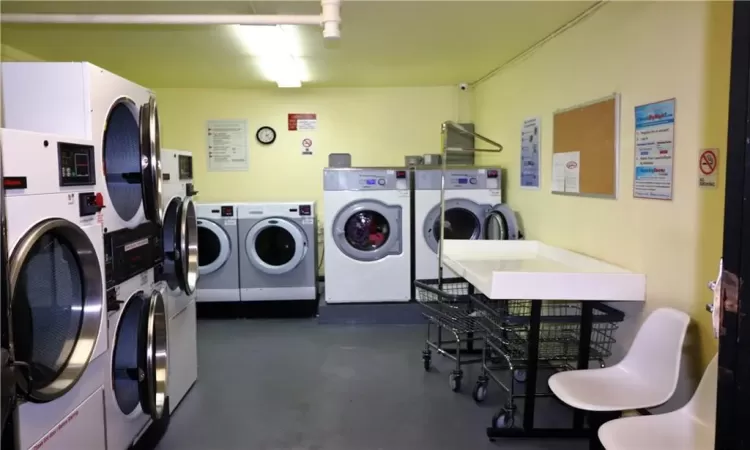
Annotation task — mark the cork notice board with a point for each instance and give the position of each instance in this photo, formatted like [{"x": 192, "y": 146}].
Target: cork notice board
[{"x": 585, "y": 148}]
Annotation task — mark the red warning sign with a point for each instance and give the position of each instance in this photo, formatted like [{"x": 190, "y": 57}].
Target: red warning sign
[{"x": 707, "y": 164}]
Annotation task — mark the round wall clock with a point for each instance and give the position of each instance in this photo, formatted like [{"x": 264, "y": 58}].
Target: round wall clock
[{"x": 265, "y": 135}]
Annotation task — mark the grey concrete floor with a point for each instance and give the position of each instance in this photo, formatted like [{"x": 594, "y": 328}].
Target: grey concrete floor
[{"x": 294, "y": 384}]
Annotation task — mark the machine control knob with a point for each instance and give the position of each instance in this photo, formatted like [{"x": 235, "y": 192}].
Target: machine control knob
[
  {"x": 472, "y": 180},
  {"x": 381, "y": 181}
]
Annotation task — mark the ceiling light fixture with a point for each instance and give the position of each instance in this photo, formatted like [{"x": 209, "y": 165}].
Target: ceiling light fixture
[{"x": 274, "y": 51}]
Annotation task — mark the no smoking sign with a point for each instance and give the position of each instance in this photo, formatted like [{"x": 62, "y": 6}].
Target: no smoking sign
[
  {"x": 708, "y": 162},
  {"x": 307, "y": 146}
]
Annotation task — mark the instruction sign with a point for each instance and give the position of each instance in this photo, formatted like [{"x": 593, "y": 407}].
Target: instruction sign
[
  {"x": 530, "y": 135},
  {"x": 302, "y": 121},
  {"x": 654, "y": 150},
  {"x": 307, "y": 146},
  {"x": 708, "y": 162},
  {"x": 227, "y": 145}
]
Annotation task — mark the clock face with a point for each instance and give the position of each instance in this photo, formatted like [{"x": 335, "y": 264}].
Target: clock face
[{"x": 265, "y": 135}]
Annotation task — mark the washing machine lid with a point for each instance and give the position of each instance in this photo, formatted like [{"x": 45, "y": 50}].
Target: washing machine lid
[
  {"x": 368, "y": 230},
  {"x": 464, "y": 219},
  {"x": 150, "y": 145},
  {"x": 214, "y": 246},
  {"x": 275, "y": 245},
  {"x": 501, "y": 224},
  {"x": 55, "y": 319},
  {"x": 180, "y": 241},
  {"x": 153, "y": 356}
]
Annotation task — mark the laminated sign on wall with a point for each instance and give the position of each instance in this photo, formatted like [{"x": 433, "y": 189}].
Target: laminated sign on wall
[
  {"x": 307, "y": 146},
  {"x": 654, "y": 150},
  {"x": 302, "y": 122},
  {"x": 227, "y": 145},
  {"x": 530, "y": 135},
  {"x": 708, "y": 175}
]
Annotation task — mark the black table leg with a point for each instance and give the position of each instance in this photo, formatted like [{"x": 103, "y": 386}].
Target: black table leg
[
  {"x": 533, "y": 364},
  {"x": 584, "y": 350}
]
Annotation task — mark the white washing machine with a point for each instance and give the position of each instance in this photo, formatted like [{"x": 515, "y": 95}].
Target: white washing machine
[
  {"x": 473, "y": 210},
  {"x": 367, "y": 235},
  {"x": 137, "y": 376},
  {"x": 56, "y": 277},
  {"x": 278, "y": 258},
  {"x": 218, "y": 253},
  {"x": 180, "y": 271},
  {"x": 119, "y": 116}
]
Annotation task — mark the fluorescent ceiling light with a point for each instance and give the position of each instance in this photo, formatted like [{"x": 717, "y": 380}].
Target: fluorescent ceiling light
[{"x": 275, "y": 52}]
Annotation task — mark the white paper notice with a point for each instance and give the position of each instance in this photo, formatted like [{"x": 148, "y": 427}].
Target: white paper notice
[
  {"x": 307, "y": 146},
  {"x": 558, "y": 171},
  {"x": 654, "y": 150},
  {"x": 227, "y": 145},
  {"x": 573, "y": 172}
]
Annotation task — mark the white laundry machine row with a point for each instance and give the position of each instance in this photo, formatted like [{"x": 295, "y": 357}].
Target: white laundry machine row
[
  {"x": 120, "y": 117},
  {"x": 473, "y": 210},
  {"x": 278, "y": 251},
  {"x": 367, "y": 235},
  {"x": 57, "y": 317},
  {"x": 136, "y": 391},
  {"x": 180, "y": 271},
  {"x": 218, "y": 253}
]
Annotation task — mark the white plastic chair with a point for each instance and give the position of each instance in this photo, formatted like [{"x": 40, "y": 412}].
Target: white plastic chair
[
  {"x": 645, "y": 378},
  {"x": 692, "y": 427}
]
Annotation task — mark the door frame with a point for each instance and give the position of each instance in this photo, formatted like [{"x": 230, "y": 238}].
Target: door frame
[{"x": 733, "y": 402}]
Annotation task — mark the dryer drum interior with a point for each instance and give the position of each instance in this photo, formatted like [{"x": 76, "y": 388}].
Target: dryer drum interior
[
  {"x": 56, "y": 306},
  {"x": 139, "y": 359},
  {"x": 275, "y": 245},
  {"x": 460, "y": 223},
  {"x": 214, "y": 246},
  {"x": 369, "y": 230},
  {"x": 180, "y": 241},
  {"x": 131, "y": 167}
]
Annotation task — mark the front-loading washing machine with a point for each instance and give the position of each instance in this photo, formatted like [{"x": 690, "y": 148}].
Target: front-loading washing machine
[
  {"x": 137, "y": 377},
  {"x": 218, "y": 253},
  {"x": 473, "y": 210},
  {"x": 278, "y": 256},
  {"x": 367, "y": 235},
  {"x": 56, "y": 312},
  {"x": 180, "y": 271},
  {"x": 82, "y": 100}
]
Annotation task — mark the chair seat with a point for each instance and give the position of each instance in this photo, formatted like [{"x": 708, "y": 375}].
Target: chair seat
[
  {"x": 608, "y": 389},
  {"x": 673, "y": 431}
]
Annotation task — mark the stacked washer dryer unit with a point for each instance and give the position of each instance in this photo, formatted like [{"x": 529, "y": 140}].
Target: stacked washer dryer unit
[
  {"x": 473, "y": 210},
  {"x": 278, "y": 251},
  {"x": 180, "y": 271},
  {"x": 367, "y": 235},
  {"x": 120, "y": 117},
  {"x": 218, "y": 254},
  {"x": 58, "y": 326}
]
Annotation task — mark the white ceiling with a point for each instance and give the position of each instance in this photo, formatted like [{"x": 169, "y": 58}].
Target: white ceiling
[{"x": 383, "y": 43}]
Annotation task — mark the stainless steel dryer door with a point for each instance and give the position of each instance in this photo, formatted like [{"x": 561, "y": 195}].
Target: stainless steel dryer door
[
  {"x": 150, "y": 146},
  {"x": 501, "y": 224},
  {"x": 463, "y": 220},
  {"x": 180, "y": 241},
  {"x": 368, "y": 230},
  {"x": 214, "y": 246},
  {"x": 275, "y": 246},
  {"x": 153, "y": 356},
  {"x": 56, "y": 306}
]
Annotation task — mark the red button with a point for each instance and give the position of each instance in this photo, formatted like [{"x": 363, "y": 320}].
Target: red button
[{"x": 99, "y": 200}]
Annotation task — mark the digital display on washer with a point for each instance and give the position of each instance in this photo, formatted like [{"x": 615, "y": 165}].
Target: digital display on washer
[
  {"x": 76, "y": 163},
  {"x": 463, "y": 180},
  {"x": 370, "y": 182}
]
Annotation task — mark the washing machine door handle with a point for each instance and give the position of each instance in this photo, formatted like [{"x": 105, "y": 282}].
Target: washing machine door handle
[{"x": 153, "y": 356}]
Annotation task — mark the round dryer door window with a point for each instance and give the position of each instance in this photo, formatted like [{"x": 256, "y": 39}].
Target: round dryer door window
[
  {"x": 122, "y": 159},
  {"x": 459, "y": 224},
  {"x": 367, "y": 230},
  {"x": 213, "y": 247},
  {"x": 125, "y": 370},
  {"x": 275, "y": 246},
  {"x": 56, "y": 306}
]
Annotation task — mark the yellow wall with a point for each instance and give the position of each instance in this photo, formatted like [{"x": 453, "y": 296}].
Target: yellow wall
[{"x": 646, "y": 52}]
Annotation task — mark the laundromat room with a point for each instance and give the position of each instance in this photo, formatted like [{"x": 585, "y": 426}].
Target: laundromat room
[{"x": 374, "y": 225}]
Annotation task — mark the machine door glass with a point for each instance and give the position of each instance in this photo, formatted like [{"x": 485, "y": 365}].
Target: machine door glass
[
  {"x": 368, "y": 230},
  {"x": 463, "y": 220},
  {"x": 122, "y": 159},
  {"x": 152, "y": 356},
  {"x": 501, "y": 224},
  {"x": 213, "y": 246},
  {"x": 275, "y": 246},
  {"x": 150, "y": 149},
  {"x": 56, "y": 306}
]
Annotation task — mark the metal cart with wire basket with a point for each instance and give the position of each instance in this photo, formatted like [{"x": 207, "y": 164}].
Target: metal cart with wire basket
[
  {"x": 448, "y": 306},
  {"x": 507, "y": 325}
]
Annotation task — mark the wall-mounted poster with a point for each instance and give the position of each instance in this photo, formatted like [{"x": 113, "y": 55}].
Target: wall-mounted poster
[
  {"x": 530, "y": 148},
  {"x": 654, "y": 150}
]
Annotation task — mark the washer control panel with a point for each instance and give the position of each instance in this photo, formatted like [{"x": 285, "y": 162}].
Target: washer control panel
[
  {"x": 365, "y": 179},
  {"x": 76, "y": 164}
]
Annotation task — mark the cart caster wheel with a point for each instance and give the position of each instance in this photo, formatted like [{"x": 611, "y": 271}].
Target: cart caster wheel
[
  {"x": 426, "y": 360},
  {"x": 520, "y": 375},
  {"x": 455, "y": 381},
  {"x": 480, "y": 391},
  {"x": 503, "y": 419}
]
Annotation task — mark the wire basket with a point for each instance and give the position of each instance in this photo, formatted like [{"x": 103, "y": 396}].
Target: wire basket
[
  {"x": 507, "y": 325},
  {"x": 448, "y": 304}
]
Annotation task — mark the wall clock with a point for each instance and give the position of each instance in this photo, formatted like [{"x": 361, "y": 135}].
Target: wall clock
[{"x": 265, "y": 135}]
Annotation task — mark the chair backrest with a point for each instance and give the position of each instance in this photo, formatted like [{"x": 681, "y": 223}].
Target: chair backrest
[
  {"x": 656, "y": 352},
  {"x": 703, "y": 404}
]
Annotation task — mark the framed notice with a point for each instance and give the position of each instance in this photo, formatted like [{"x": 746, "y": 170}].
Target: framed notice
[{"x": 227, "y": 145}]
